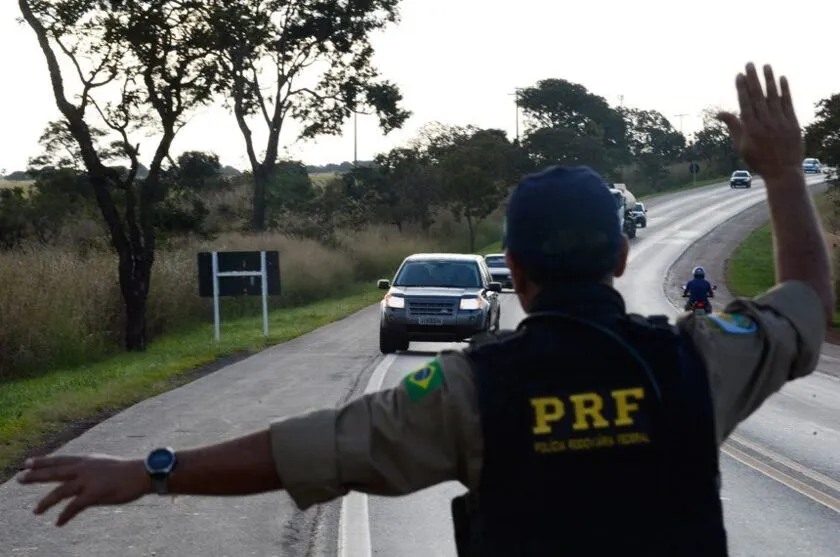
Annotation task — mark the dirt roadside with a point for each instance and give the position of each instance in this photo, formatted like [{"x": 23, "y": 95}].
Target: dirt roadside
[{"x": 713, "y": 251}]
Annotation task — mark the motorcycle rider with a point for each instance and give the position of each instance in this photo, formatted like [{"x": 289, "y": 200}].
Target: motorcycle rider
[{"x": 698, "y": 289}]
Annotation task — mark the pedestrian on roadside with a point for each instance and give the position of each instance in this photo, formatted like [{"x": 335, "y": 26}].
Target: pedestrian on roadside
[{"x": 585, "y": 431}]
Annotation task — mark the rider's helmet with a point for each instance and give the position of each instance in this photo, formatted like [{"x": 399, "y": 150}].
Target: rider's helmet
[{"x": 699, "y": 273}]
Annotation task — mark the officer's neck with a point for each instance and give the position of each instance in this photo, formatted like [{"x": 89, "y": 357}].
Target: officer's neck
[{"x": 585, "y": 299}]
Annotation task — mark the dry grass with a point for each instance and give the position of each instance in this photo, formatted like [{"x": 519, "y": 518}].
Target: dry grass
[
  {"x": 60, "y": 309},
  {"x": 9, "y": 184}
]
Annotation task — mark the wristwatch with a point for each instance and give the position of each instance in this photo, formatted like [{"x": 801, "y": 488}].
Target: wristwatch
[{"x": 159, "y": 465}]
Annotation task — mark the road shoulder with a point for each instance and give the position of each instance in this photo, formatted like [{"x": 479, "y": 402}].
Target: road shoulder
[{"x": 322, "y": 369}]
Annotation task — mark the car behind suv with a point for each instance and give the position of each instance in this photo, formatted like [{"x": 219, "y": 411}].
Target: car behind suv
[
  {"x": 639, "y": 214},
  {"x": 438, "y": 297},
  {"x": 740, "y": 179},
  {"x": 498, "y": 269}
]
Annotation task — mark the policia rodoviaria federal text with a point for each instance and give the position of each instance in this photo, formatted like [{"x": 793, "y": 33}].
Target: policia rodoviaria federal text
[{"x": 587, "y": 431}]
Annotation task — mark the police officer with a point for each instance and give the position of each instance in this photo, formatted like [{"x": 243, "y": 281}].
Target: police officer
[{"x": 587, "y": 431}]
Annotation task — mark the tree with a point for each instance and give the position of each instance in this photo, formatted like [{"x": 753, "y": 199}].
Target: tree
[
  {"x": 198, "y": 170},
  {"x": 822, "y": 136},
  {"x": 290, "y": 188},
  {"x": 652, "y": 141},
  {"x": 477, "y": 174},
  {"x": 713, "y": 141},
  {"x": 407, "y": 187},
  {"x": 298, "y": 41},
  {"x": 154, "y": 57},
  {"x": 567, "y": 124}
]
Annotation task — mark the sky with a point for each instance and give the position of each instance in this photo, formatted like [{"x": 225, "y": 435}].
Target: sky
[{"x": 459, "y": 61}]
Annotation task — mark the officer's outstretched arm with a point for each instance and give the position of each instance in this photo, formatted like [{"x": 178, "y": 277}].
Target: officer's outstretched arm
[
  {"x": 755, "y": 346},
  {"x": 423, "y": 432}
]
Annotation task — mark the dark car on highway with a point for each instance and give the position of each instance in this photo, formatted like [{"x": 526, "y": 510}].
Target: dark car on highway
[
  {"x": 438, "y": 297},
  {"x": 498, "y": 269},
  {"x": 639, "y": 214},
  {"x": 740, "y": 179}
]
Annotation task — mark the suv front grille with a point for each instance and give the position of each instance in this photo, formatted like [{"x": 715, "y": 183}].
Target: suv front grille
[{"x": 437, "y": 308}]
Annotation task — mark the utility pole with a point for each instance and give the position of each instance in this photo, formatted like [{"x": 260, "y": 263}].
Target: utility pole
[
  {"x": 355, "y": 138},
  {"x": 515, "y": 94},
  {"x": 681, "y": 116},
  {"x": 621, "y": 101}
]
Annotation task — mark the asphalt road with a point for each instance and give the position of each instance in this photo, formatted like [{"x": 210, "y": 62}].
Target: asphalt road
[
  {"x": 765, "y": 516},
  {"x": 780, "y": 460}
]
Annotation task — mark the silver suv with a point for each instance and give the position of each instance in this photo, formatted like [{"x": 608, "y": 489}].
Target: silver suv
[{"x": 438, "y": 297}]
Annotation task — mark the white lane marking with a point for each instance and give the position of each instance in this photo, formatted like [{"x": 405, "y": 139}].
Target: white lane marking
[{"x": 354, "y": 520}]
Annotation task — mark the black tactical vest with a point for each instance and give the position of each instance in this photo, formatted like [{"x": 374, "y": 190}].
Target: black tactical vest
[{"x": 599, "y": 439}]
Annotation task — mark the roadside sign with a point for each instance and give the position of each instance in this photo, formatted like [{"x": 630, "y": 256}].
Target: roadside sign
[{"x": 236, "y": 273}]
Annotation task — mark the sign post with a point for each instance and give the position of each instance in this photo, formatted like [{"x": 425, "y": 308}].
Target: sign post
[
  {"x": 233, "y": 273},
  {"x": 694, "y": 169}
]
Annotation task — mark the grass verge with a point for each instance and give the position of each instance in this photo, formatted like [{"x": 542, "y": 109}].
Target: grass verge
[
  {"x": 41, "y": 413},
  {"x": 751, "y": 268}
]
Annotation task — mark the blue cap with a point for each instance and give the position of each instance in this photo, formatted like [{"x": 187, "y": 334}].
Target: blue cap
[{"x": 563, "y": 223}]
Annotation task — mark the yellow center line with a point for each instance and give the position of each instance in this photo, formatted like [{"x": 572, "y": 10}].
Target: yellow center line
[
  {"x": 783, "y": 478},
  {"x": 784, "y": 461}
]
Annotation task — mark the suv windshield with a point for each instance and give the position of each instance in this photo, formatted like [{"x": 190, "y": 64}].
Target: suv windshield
[
  {"x": 811, "y": 161},
  {"x": 740, "y": 174},
  {"x": 495, "y": 261},
  {"x": 445, "y": 274},
  {"x": 639, "y": 207}
]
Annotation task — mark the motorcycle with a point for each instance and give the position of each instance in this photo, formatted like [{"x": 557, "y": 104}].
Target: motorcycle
[{"x": 698, "y": 307}]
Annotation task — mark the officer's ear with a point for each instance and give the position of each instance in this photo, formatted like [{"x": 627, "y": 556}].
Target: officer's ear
[{"x": 624, "y": 251}]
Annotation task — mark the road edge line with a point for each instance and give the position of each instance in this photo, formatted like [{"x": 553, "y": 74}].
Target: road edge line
[
  {"x": 354, "y": 519},
  {"x": 786, "y": 480}
]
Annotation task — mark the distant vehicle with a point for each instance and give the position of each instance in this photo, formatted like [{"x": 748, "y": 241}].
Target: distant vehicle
[
  {"x": 438, "y": 297},
  {"x": 639, "y": 214},
  {"x": 811, "y": 166},
  {"x": 740, "y": 179},
  {"x": 498, "y": 269},
  {"x": 624, "y": 200}
]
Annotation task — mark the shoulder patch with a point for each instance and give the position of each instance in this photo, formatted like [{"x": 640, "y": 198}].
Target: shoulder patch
[
  {"x": 423, "y": 381},
  {"x": 733, "y": 323}
]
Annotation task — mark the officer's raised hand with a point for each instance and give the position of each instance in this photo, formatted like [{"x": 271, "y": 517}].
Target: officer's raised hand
[{"x": 767, "y": 134}]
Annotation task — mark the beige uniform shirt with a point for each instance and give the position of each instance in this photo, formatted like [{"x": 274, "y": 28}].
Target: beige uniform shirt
[{"x": 427, "y": 430}]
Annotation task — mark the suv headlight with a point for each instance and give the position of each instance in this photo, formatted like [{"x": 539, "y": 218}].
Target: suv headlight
[
  {"x": 472, "y": 304},
  {"x": 394, "y": 302}
]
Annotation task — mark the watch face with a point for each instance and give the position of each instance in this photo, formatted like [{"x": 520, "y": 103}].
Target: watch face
[{"x": 160, "y": 460}]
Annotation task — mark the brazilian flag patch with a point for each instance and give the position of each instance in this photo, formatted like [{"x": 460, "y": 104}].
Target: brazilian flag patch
[
  {"x": 733, "y": 323},
  {"x": 425, "y": 380}
]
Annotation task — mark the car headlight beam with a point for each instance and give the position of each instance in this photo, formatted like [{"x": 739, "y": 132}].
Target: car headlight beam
[
  {"x": 394, "y": 302},
  {"x": 472, "y": 304}
]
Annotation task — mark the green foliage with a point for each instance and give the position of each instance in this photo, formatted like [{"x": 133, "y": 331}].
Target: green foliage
[
  {"x": 822, "y": 136},
  {"x": 567, "y": 124},
  {"x": 277, "y": 41}
]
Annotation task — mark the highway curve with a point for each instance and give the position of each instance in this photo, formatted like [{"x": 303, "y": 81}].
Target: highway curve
[
  {"x": 765, "y": 515},
  {"x": 781, "y": 473}
]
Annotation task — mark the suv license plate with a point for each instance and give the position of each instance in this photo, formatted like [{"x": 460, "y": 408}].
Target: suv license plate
[{"x": 430, "y": 321}]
